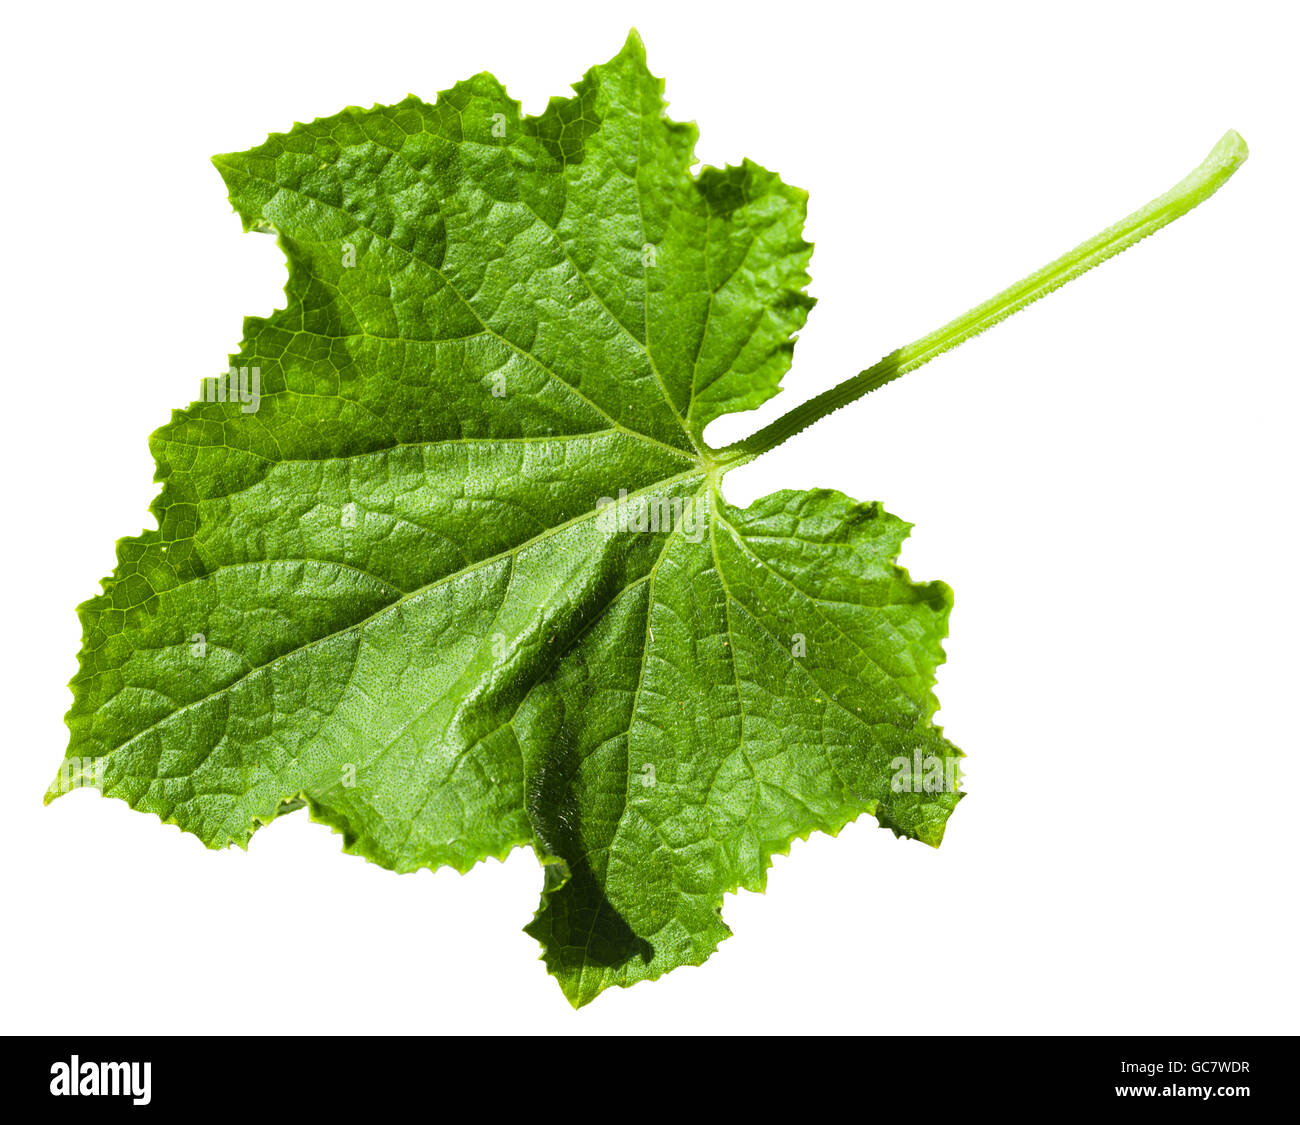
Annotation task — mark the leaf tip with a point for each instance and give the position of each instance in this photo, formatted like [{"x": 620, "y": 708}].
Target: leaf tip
[{"x": 634, "y": 45}]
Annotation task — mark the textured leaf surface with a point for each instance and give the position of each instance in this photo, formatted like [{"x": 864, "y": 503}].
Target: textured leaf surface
[{"x": 397, "y": 591}]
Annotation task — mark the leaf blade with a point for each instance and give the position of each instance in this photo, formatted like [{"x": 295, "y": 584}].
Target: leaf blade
[{"x": 463, "y": 570}]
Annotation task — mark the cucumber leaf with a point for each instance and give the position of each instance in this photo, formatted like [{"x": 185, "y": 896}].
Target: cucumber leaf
[{"x": 445, "y": 558}]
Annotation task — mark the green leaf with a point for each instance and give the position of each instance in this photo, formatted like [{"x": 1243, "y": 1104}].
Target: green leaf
[{"x": 446, "y": 560}]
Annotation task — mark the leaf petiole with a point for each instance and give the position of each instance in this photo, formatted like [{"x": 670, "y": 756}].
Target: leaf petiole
[{"x": 1224, "y": 159}]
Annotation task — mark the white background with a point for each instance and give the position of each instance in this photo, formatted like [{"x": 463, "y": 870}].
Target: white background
[{"x": 1107, "y": 482}]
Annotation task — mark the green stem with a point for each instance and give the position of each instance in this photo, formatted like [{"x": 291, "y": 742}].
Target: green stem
[{"x": 1224, "y": 159}]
